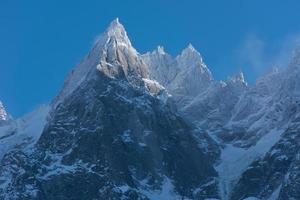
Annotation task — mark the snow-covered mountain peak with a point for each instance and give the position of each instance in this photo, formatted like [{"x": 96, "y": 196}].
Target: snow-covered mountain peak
[
  {"x": 190, "y": 59},
  {"x": 162, "y": 67},
  {"x": 160, "y": 50},
  {"x": 3, "y": 114},
  {"x": 191, "y": 54},
  {"x": 191, "y": 47},
  {"x": 115, "y": 23},
  {"x": 117, "y": 57},
  {"x": 113, "y": 56},
  {"x": 117, "y": 31},
  {"x": 190, "y": 62},
  {"x": 238, "y": 78},
  {"x": 114, "y": 35}
]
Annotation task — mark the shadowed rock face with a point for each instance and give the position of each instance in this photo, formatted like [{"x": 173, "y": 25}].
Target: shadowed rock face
[
  {"x": 106, "y": 135},
  {"x": 277, "y": 173}
]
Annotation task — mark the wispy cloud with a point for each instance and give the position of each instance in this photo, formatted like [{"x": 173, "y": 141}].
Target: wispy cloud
[{"x": 257, "y": 54}]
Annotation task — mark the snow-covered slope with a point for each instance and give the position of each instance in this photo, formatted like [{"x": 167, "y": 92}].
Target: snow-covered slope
[
  {"x": 162, "y": 66},
  {"x": 275, "y": 113},
  {"x": 213, "y": 108},
  {"x": 23, "y": 132}
]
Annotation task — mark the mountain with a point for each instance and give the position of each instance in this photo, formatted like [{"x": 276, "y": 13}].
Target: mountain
[
  {"x": 197, "y": 95},
  {"x": 184, "y": 77},
  {"x": 248, "y": 122},
  {"x": 110, "y": 136},
  {"x": 113, "y": 55},
  {"x": 275, "y": 174},
  {"x": 151, "y": 126}
]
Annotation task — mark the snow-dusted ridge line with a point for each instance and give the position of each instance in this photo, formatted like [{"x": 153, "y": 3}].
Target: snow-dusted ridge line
[
  {"x": 246, "y": 120},
  {"x": 116, "y": 35},
  {"x": 24, "y": 131}
]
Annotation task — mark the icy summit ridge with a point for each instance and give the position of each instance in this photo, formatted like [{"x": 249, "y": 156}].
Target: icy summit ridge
[
  {"x": 117, "y": 32},
  {"x": 112, "y": 54},
  {"x": 190, "y": 53},
  {"x": 184, "y": 76}
]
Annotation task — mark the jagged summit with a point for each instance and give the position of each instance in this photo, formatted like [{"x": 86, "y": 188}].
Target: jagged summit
[
  {"x": 117, "y": 31},
  {"x": 115, "y": 22},
  {"x": 191, "y": 47},
  {"x": 161, "y": 50},
  {"x": 112, "y": 55},
  {"x": 116, "y": 28},
  {"x": 3, "y": 114},
  {"x": 238, "y": 78},
  {"x": 191, "y": 59},
  {"x": 190, "y": 53}
]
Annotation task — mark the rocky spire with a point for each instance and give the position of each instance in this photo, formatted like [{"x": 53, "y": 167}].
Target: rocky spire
[
  {"x": 113, "y": 55},
  {"x": 191, "y": 54},
  {"x": 238, "y": 78},
  {"x": 161, "y": 50},
  {"x": 117, "y": 32},
  {"x": 191, "y": 60}
]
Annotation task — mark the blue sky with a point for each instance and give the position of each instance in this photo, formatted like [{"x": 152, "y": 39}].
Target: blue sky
[{"x": 41, "y": 41}]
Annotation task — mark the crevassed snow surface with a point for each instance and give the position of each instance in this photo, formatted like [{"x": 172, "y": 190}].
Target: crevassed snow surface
[
  {"x": 23, "y": 131},
  {"x": 234, "y": 161}
]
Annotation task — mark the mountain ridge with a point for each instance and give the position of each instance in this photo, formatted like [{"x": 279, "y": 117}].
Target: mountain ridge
[
  {"x": 110, "y": 136},
  {"x": 163, "y": 128}
]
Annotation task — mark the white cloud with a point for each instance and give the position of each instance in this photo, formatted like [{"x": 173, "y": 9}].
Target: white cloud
[{"x": 258, "y": 55}]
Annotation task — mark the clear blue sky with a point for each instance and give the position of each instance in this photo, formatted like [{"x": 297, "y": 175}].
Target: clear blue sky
[{"x": 41, "y": 41}]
